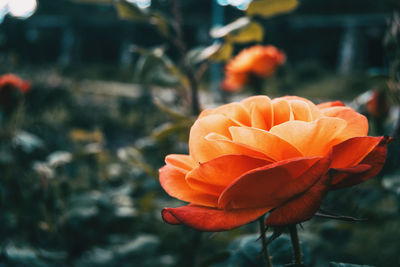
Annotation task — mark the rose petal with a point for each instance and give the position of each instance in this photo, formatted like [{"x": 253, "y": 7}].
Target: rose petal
[
  {"x": 184, "y": 162},
  {"x": 282, "y": 111},
  {"x": 234, "y": 111},
  {"x": 211, "y": 219},
  {"x": 222, "y": 171},
  {"x": 225, "y": 146},
  {"x": 353, "y": 151},
  {"x": 271, "y": 145},
  {"x": 357, "y": 124},
  {"x": 301, "y": 111},
  {"x": 301, "y": 208},
  {"x": 173, "y": 181},
  {"x": 310, "y": 138},
  {"x": 315, "y": 112},
  {"x": 260, "y": 187},
  {"x": 201, "y": 149},
  {"x": 330, "y": 104},
  {"x": 352, "y": 176},
  {"x": 261, "y": 111}
]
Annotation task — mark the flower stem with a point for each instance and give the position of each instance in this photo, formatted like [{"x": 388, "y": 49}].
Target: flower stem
[
  {"x": 261, "y": 222},
  {"x": 294, "y": 237}
]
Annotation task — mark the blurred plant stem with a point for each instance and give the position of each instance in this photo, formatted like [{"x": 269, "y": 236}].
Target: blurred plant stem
[
  {"x": 294, "y": 237},
  {"x": 188, "y": 71},
  {"x": 261, "y": 222}
]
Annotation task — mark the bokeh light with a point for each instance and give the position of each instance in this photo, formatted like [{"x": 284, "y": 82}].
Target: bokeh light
[
  {"x": 22, "y": 8},
  {"x": 141, "y": 3},
  {"x": 17, "y": 8},
  {"x": 240, "y": 4}
]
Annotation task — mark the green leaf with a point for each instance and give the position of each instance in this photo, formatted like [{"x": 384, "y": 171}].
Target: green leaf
[
  {"x": 269, "y": 8},
  {"x": 128, "y": 11},
  {"x": 200, "y": 54},
  {"x": 224, "y": 53},
  {"x": 155, "y": 68},
  {"x": 134, "y": 156},
  {"x": 220, "y": 32},
  {"x": 253, "y": 32},
  {"x": 172, "y": 128},
  {"x": 169, "y": 111},
  {"x": 160, "y": 22}
]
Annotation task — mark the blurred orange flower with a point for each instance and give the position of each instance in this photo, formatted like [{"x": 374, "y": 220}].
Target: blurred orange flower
[
  {"x": 377, "y": 104},
  {"x": 261, "y": 155},
  {"x": 259, "y": 61},
  {"x": 14, "y": 81},
  {"x": 11, "y": 88}
]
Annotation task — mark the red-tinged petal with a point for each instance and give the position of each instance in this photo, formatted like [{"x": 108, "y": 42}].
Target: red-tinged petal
[
  {"x": 261, "y": 111},
  {"x": 211, "y": 219},
  {"x": 311, "y": 138},
  {"x": 184, "y": 162},
  {"x": 221, "y": 171},
  {"x": 301, "y": 208},
  {"x": 306, "y": 180},
  {"x": 375, "y": 159},
  {"x": 201, "y": 149},
  {"x": 330, "y": 104},
  {"x": 282, "y": 111},
  {"x": 360, "y": 168},
  {"x": 357, "y": 124},
  {"x": 353, "y": 151},
  {"x": 271, "y": 145},
  {"x": 173, "y": 181},
  {"x": 261, "y": 187}
]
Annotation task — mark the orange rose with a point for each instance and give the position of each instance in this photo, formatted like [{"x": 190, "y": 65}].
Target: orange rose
[
  {"x": 260, "y": 61},
  {"x": 261, "y": 155}
]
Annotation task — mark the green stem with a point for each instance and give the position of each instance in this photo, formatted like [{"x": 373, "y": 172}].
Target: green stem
[
  {"x": 261, "y": 222},
  {"x": 294, "y": 237}
]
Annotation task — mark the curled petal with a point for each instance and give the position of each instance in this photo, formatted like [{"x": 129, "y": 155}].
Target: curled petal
[
  {"x": 311, "y": 138},
  {"x": 201, "y": 149},
  {"x": 270, "y": 186},
  {"x": 261, "y": 111},
  {"x": 234, "y": 111},
  {"x": 225, "y": 146},
  {"x": 282, "y": 111},
  {"x": 184, "y": 162},
  {"x": 173, "y": 181},
  {"x": 271, "y": 145},
  {"x": 315, "y": 112},
  {"x": 355, "y": 175},
  {"x": 301, "y": 111},
  {"x": 357, "y": 124},
  {"x": 210, "y": 219}
]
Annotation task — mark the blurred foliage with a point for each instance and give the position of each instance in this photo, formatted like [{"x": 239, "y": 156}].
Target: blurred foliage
[{"x": 268, "y": 8}]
